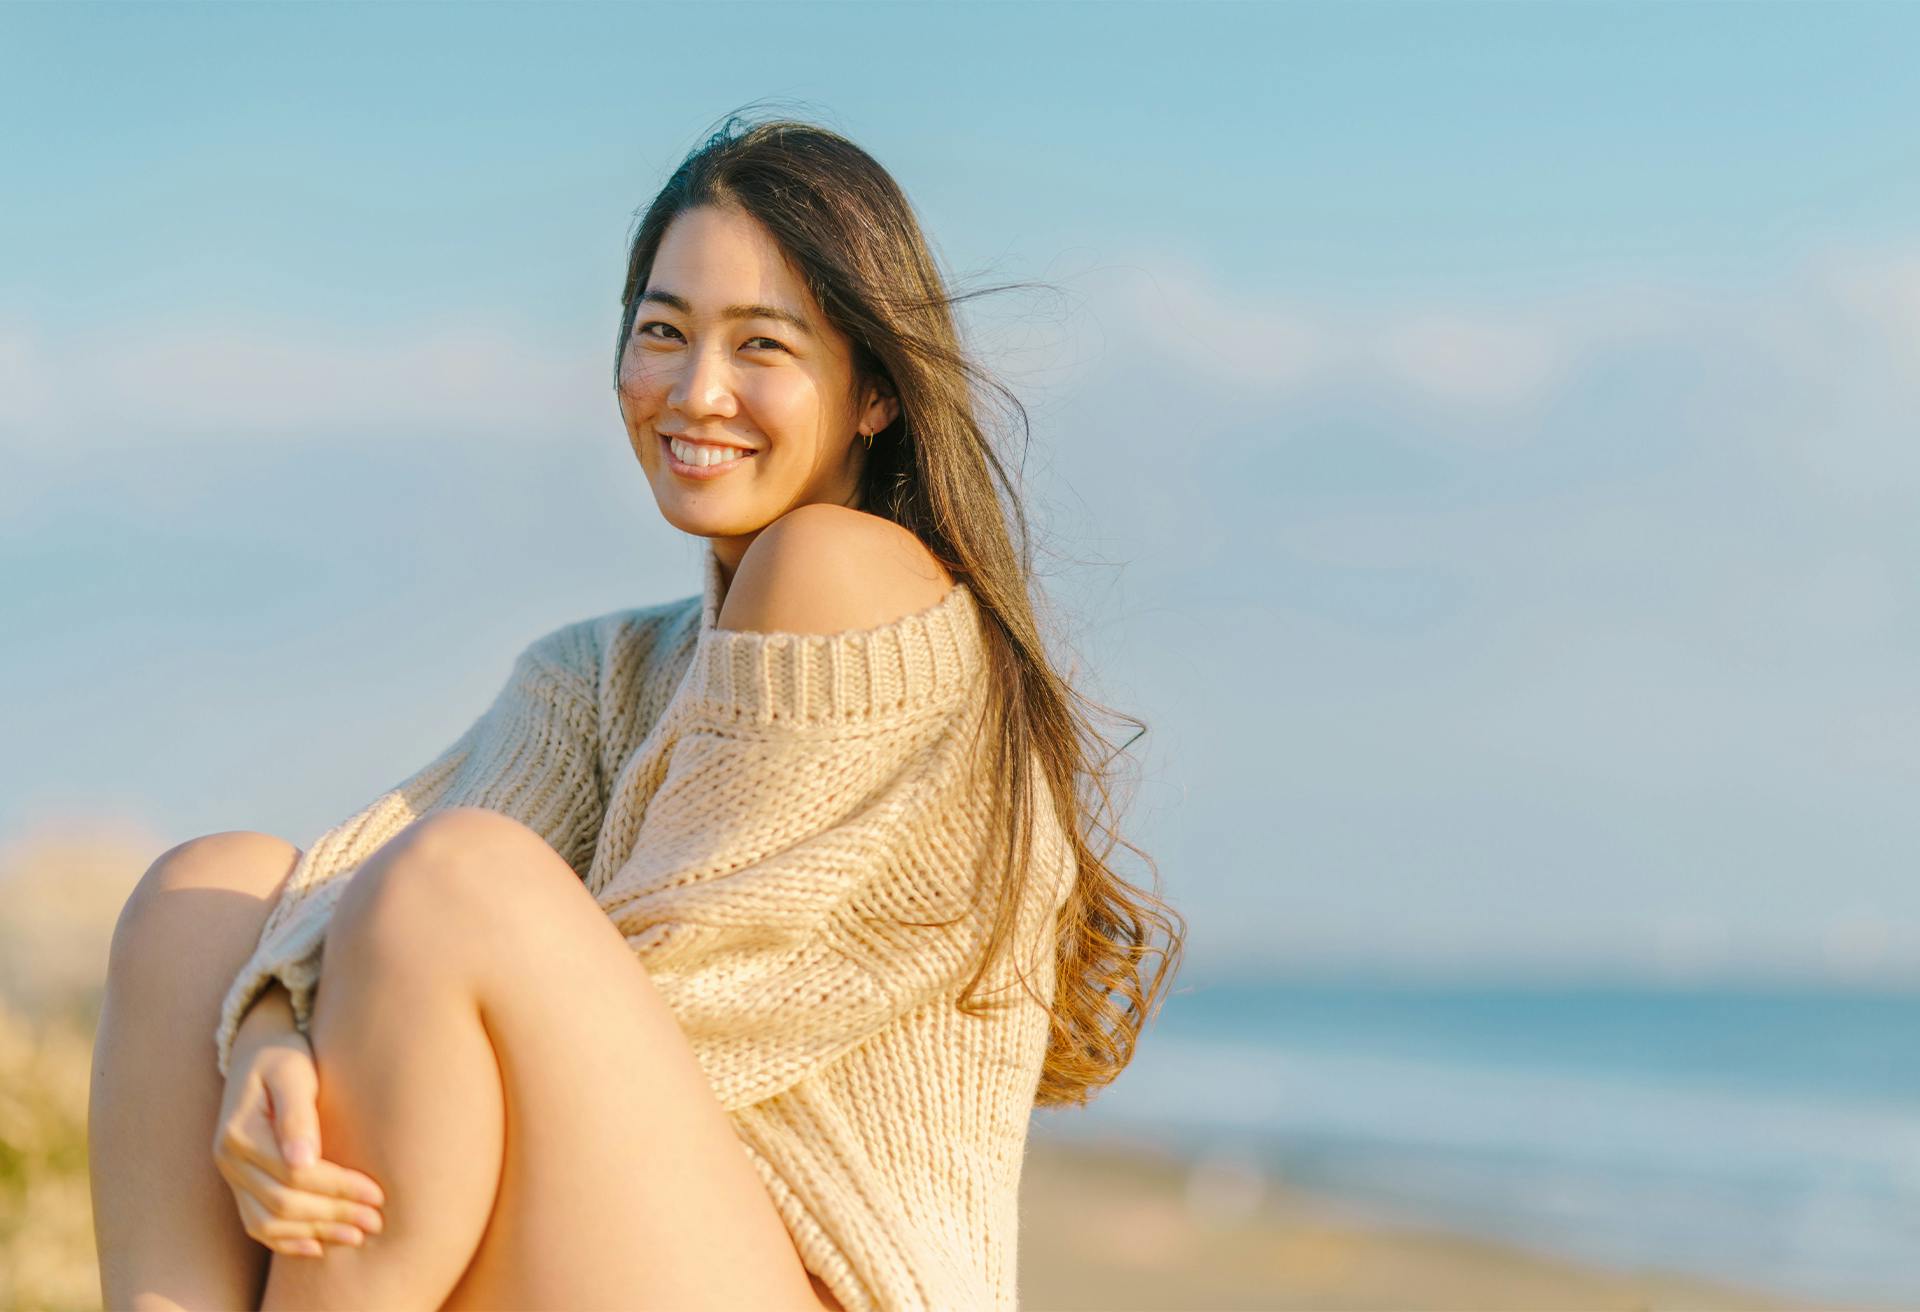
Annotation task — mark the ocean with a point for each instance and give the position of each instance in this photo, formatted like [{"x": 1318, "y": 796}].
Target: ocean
[{"x": 1767, "y": 1135}]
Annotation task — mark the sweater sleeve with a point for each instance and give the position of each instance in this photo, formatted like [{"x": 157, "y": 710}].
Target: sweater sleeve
[
  {"x": 811, "y": 800},
  {"x": 533, "y": 756}
]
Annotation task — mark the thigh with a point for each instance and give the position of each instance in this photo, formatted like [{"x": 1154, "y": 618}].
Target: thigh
[
  {"x": 622, "y": 1181},
  {"x": 165, "y": 1221}
]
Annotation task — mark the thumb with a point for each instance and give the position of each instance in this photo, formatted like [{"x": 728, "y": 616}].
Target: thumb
[{"x": 296, "y": 1114}]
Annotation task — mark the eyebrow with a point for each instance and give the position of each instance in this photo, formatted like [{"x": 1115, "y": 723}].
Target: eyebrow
[{"x": 773, "y": 312}]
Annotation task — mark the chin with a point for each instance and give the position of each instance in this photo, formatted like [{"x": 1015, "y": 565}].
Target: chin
[{"x": 711, "y": 521}]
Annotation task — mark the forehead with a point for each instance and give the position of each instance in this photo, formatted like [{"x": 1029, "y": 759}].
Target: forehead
[{"x": 709, "y": 254}]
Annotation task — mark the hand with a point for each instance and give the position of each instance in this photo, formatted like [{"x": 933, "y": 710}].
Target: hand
[{"x": 289, "y": 1199}]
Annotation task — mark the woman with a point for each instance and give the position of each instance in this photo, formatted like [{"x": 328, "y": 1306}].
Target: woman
[{"x": 831, "y": 806}]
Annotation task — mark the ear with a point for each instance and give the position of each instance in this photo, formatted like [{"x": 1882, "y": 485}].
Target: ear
[{"x": 882, "y": 409}]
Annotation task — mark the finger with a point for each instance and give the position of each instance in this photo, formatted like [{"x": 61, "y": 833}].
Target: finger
[
  {"x": 279, "y": 1202},
  {"x": 337, "y": 1181},
  {"x": 293, "y": 1090},
  {"x": 296, "y": 1237},
  {"x": 293, "y": 1093},
  {"x": 302, "y": 1246},
  {"x": 308, "y": 1241},
  {"x": 321, "y": 1177},
  {"x": 325, "y": 1232}
]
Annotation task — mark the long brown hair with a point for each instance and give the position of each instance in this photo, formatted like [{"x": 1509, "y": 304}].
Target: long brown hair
[{"x": 846, "y": 226}]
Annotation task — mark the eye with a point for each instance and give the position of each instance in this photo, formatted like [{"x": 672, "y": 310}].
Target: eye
[{"x": 640, "y": 330}]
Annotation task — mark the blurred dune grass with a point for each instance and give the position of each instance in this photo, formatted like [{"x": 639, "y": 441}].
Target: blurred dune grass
[
  {"x": 61, "y": 890},
  {"x": 46, "y": 1217}
]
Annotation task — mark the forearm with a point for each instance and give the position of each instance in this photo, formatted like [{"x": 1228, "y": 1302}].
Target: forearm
[{"x": 270, "y": 1017}]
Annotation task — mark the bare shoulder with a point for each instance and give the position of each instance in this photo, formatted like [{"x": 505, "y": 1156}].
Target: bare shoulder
[{"x": 828, "y": 569}]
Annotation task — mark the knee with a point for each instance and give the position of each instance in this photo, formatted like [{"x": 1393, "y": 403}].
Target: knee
[
  {"x": 234, "y": 861},
  {"x": 445, "y": 871}
]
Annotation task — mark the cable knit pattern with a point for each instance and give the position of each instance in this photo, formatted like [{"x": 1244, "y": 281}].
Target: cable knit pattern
[{"x": 772, "y": 820}]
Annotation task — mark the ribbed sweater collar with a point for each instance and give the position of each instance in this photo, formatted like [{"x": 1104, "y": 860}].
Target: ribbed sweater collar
[{"x": 914, "y": 664}]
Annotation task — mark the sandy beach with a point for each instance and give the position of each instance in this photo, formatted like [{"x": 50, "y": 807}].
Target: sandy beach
[{"x": 1110, "y": 1226}]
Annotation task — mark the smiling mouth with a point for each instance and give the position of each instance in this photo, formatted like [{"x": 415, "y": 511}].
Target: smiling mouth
[{"x": 701, "y": 460}]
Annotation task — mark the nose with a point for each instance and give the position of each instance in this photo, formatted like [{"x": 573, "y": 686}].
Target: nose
[{"x": 704, "y": 386}]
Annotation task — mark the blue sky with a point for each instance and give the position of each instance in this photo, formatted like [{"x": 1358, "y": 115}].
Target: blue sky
[{"x": 1475, "y": 438}]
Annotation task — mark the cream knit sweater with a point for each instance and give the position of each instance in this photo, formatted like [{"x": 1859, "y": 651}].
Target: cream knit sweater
[{"x": 758, "y": 813}]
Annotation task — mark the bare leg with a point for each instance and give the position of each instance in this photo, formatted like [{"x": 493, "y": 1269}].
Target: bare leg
[
  {"x": 493, "y": 1054},
  {"x": 165, "y": 1225}
]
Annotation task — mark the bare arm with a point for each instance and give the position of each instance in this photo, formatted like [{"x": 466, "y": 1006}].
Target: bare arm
[{"x": 270, "y": 1016}]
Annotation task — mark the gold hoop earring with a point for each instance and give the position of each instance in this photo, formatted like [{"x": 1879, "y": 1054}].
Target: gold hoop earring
[{"x": 869, "y": 437}]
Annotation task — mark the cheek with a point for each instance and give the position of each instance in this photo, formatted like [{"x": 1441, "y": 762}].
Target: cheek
[
  {"x": 641, "y": 385},
  {"x": 784, "y": 404}
]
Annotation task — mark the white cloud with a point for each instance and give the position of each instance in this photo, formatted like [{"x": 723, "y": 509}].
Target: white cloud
[
  {"x": 1163, "y": 311},
  {"x": 1884, "y": 288},
  {"x": 242, "y": 382},
  {"x": 1816, "y": 371},
  {"x": 1470, "y": 360},
  {"x": 25, "y": 376},
  {"x": 1175, "y": 309}
]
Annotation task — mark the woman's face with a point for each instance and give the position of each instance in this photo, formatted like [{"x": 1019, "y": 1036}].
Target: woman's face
[{"x": 714, "y": 358}]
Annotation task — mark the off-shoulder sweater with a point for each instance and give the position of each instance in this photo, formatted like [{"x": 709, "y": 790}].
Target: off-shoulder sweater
[{"x": 760, "y": 813}]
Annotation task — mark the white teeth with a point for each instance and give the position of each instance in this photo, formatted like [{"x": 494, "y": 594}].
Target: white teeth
[{"x": 694, "y": 454}]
